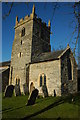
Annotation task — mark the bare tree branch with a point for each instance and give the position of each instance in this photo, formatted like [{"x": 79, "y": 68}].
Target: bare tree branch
[{"x": 9, "y": 11}]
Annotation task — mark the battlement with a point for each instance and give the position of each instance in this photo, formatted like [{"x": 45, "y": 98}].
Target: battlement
[{"x": 31, "y": 17}]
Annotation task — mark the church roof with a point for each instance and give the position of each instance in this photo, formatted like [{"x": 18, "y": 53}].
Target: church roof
[
  {"x": 6, "y": 63},
  {"x": 47, "y": 56}
]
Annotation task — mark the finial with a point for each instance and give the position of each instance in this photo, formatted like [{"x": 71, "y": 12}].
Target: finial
[
  {"x": 68, "y": 45},
  {"x": 49, "y": 23},
  {"x": 33, "y": 9},
  {"x": 16, "y": 20}
]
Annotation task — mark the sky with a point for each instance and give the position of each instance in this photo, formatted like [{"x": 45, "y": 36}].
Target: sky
[{"x": 62, "y": 20}]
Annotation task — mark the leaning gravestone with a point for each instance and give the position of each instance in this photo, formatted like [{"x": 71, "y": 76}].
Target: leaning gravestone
[
  {"x": 45, "y": 91},
  {"x": 9, "y": 91},
  {"x": 17, "y": 90},
  {"x": 33, "y": 96}
]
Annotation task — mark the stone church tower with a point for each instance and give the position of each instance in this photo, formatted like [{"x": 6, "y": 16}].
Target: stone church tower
[{"x": 32, "y": 37}]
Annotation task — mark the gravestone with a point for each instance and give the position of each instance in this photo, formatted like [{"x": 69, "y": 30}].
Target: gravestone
[
  {"x": 26, "y": 89},
  {"x": 54, "y": 93},
  {"x": 17, "y": 90},
  {"x": 33, "y": 97},
  {"x": 45, "y": 91},
  {"x": 9, "y": 91},
  {"x": 31, "y": 87}
]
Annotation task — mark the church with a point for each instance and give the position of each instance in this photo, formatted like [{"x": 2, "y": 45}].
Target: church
[{"x": 33, "y": 63}]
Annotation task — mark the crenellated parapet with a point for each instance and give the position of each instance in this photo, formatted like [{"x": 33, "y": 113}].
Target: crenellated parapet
[{"x": 31, "y": 17}]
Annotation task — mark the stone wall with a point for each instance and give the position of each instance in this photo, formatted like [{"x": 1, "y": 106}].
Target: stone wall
[
  {"x": 5, "y": 79},
  {"x": 26, "y": 46},
  {"x": 21, "y": 53},
  {"x": 41, "y": 38},
  {"x": 68, "y": 86},
  {"x": 53, "y": 76}
]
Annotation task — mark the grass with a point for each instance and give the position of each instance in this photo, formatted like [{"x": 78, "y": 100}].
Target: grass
[{"x": 50, "y": 107}]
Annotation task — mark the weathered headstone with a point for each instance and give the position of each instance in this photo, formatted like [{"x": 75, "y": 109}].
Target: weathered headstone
[
  {"x": 45, "y": 91},
  {"x": 31, "y": 87},
  {"x": 26, "y": 89},
  {"x": 54, "y": 93},
  {"x": 9, "y": 91},
  {"x": 17, "y": 90},
  {"x": 33, "y": 97}
]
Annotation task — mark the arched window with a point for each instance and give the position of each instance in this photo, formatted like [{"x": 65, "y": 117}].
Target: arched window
[
  {"x": 11, "y": 72},
  {"x": 17, "y": 81},
  {"x": 40, "y": 80},
  {"x": 23, "y": 32},
  {"x": 44, "y": 80},
  {"x": 69, "y": 69}
]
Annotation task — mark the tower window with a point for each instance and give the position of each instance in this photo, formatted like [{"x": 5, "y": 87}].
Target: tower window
[
  {"x": 21, "y": 42},
  {"x": 23, "y": 32},
  {"x": 20, "y": 54}
]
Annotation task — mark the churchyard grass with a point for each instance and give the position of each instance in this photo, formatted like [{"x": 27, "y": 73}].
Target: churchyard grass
[{"x": 50, "y": 107}]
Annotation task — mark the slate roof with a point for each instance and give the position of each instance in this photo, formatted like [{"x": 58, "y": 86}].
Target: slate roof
[
  {"x": 3, "y": 69},
  {"x": 6, "y": 63},
  {"x": 47, "y": 56}
]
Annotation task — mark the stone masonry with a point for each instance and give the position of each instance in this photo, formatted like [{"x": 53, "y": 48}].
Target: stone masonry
[
  {"x": 32, "y": 61},
  {"x": 26, "y": 47}
]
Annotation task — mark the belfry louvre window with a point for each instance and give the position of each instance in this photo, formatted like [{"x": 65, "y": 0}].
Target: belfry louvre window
[
  {"x": 23, "y": 32},
  {"x": 42, "y": 80}
]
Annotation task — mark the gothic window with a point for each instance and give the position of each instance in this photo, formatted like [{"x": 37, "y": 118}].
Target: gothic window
[
  {"x": 17, "y": 81},
  {"x": 42, "y": 80},
  {"x": 69, "y": 69},
  {"x": 11, "y": 72},
  {"x": 23, "y": 32}
]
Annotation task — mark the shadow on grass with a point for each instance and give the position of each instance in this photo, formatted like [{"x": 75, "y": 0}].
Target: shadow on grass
[
  {"x": 45, "y": 109},
  {"x": 11, "y": 109},
  {"x": 6, "y": 109}
]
